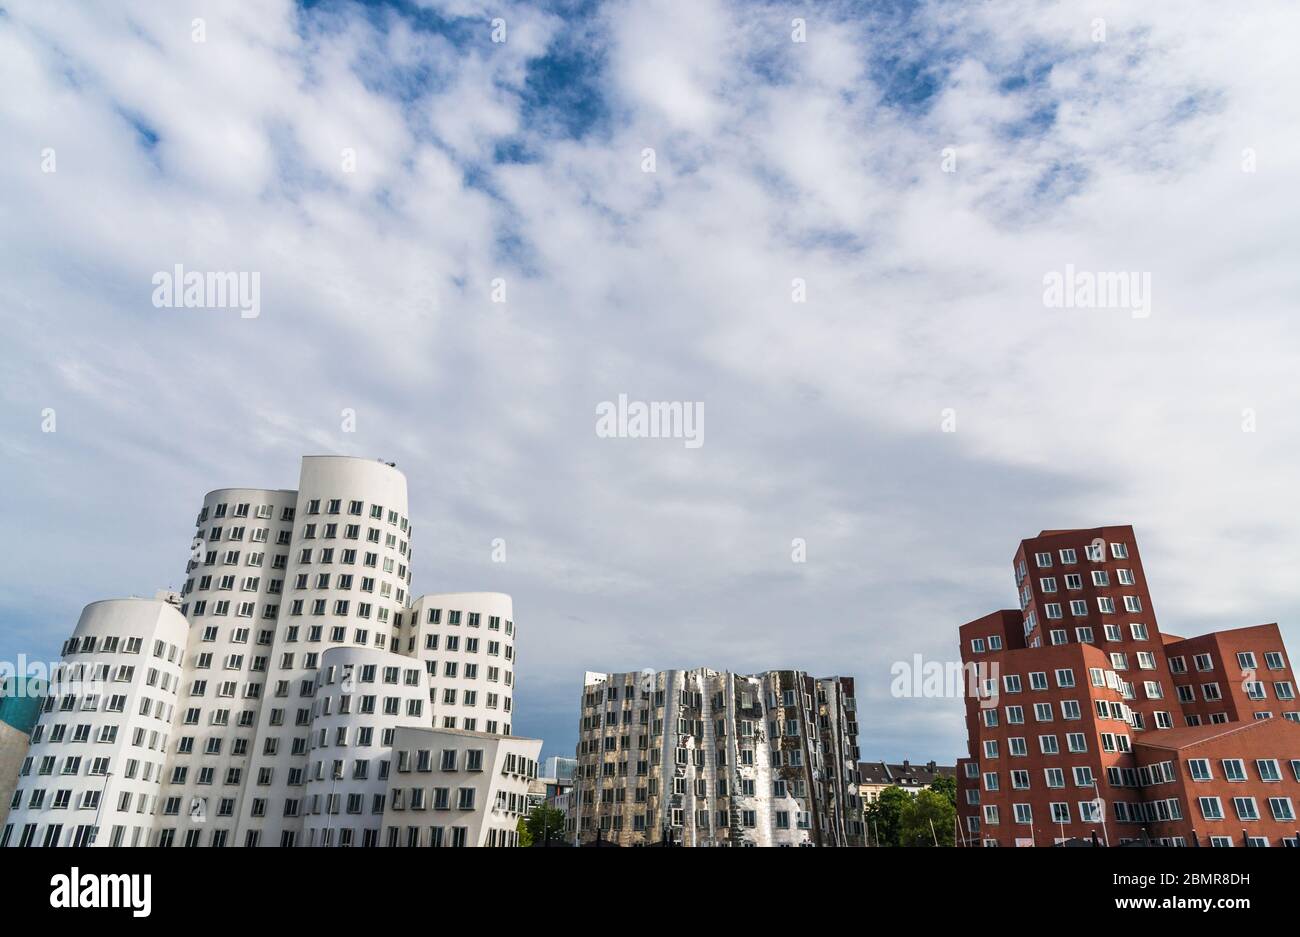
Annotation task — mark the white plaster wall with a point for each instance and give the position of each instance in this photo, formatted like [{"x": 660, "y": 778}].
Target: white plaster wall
[{"x": 136, "y": 754}]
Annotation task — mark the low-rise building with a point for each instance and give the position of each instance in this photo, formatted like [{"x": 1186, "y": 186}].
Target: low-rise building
[
  {"x": 450, "y": 787},
  {"x": 879, "y": 775}
]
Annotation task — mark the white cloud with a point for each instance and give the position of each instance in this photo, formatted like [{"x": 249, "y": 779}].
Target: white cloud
[{"x": 776, "y": 160}]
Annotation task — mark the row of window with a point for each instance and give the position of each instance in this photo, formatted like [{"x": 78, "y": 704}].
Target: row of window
[
  {"x": 1044, "y": 712},
  {"x": 1100, "y": 579},
  {"x": 1075, "y": 742},
  {"x": 115, "y": 644},
  {"x": 332, "y": 506},
  {"x": 241, "y": 509},
  {"x": 1105, "y": 605},
  {"x": 1254, "y": 689},
  {"x": 433, "y": 616},
  {"x": 1092, "y": 551}
]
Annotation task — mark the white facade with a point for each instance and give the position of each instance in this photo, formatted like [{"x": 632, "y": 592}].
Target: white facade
[
  {"x": 467, "y": 643},
  {"x": 100, "y": 748},
  {"x": 291, "y": 657},
  {"x": 456, "y": 788},
  {"x": 231, "y": 597},
  {"x": 347, "y": 578},
  {"x": 364, "y": 695}
]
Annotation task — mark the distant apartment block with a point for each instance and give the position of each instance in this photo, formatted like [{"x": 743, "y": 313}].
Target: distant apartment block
[
  {"x": 1084, "y": 720},
  {"x": 878, "y": 775},
  {"x": 712, "y": 758}
]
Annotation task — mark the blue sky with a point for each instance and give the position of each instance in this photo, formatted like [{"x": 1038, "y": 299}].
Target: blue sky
[{"x": 1167, "y": 146}]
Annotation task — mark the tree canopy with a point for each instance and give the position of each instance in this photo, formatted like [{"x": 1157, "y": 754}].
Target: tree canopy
[{"x": 899, "y": 818}]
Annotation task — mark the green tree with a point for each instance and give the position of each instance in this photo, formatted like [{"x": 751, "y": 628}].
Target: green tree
[
  {"x": 884, "y": 816},
  {"x": 541, "y": 821},
  {"x": 947, "y": 786},
  {"x": 926, "y": 817}
]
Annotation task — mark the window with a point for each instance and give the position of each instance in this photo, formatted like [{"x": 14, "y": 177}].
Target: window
[
  {"x": 1268, "y": 769},
  {"x": 1200, "y": 769},
  {"x": 1211, "y": 808},
  {"x": 1281, "y": 809}
]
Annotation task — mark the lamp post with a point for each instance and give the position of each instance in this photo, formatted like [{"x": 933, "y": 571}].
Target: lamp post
[
  {"x": 99, "y": 807},
  {"x": 1100, "y": 807},
  {"x": 334, "y": 780}
]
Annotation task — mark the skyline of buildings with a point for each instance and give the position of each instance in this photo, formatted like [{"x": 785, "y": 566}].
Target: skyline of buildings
[{"x": 294, "y": 692}]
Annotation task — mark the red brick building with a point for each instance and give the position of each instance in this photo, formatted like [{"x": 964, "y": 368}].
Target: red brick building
[
  {"x": 1221, "y": 785},
  {"x": 1068, "y": 695}
]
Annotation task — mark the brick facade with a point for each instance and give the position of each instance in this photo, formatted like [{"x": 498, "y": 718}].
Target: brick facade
[{"x": 1072, "y": 696}]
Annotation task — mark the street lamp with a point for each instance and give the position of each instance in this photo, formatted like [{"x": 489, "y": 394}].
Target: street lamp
[
  {"x": 99, "y": 807},
  {"x": 335, "y": 771},
  {"x": 1100, "y": 807}
]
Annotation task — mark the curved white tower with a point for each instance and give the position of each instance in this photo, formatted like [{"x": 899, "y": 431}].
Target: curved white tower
[
  {"x": 467, "y": 643},
  {"x": 99, "y": 749},
  {"x": 362, "y": 697},
  {"x": 347, "y": 579},
  {"x": 231, "y": 597}
]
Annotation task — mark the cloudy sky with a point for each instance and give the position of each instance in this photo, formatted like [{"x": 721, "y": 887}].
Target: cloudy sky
[{"x": 919, "y": 168}]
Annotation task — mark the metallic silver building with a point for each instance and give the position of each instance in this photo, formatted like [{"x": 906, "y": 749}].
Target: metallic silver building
[{"x": 711, "y": 758}]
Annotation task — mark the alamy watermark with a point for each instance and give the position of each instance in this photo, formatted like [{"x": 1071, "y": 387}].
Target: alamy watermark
[
  {"x": 37, "y": 679},
  {"x": 657, "y": 419},
  {"x": 1110, "y": 289},
  {"x": 78, "y": 889},
  {"x": 179, "y": 288},
  {"x": 919, "y": 678}
]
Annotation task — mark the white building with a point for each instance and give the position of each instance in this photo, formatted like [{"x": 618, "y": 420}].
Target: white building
[
  {"x": 291, "y": 658},
  {"x": 457, "y": 788},
  {"x": 100, "y": 748}
]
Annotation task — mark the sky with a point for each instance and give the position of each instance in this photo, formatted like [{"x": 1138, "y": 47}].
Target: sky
[{"x": 840, "y": 256}]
